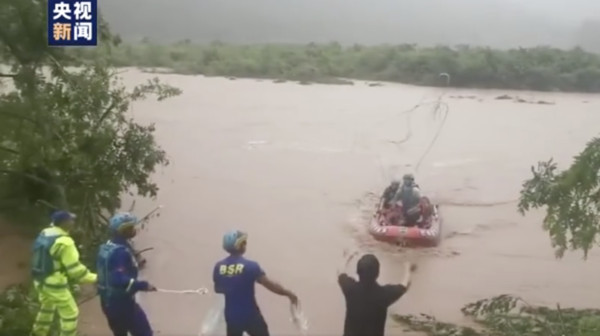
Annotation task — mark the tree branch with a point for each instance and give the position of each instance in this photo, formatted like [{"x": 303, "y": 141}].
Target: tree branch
[
  {"x": 9, "y": 150},
  {"x": 36, "y": 123},
  {"x": 28, "y": 176},
  {"x": 108, "y": 111}
]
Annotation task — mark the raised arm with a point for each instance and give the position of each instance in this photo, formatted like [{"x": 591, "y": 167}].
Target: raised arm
[
  {"x": 344, "y": 280},
  {"x": 347, "y": 258},
  {"x": 395, "y": 292},
  {"x": 408, "y": 268}
]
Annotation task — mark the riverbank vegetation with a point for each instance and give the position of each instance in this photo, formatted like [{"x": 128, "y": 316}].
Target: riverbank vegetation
[
  {"x": 506, "y": 315},
  {"x": 66, "y": 141},
  {"x": 541, "y": 68}
]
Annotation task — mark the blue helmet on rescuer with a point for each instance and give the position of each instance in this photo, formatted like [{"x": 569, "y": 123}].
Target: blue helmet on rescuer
[
  {"x": 120, "y": 221},
  {"x": 234, "y": 241}
]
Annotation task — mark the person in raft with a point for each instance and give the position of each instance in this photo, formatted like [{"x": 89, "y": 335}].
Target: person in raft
[
  {"x": 410, "y": 196},
  {"x": 235, "y": 277},
  {"x": 388, "y": 194},
  {"x": 367, "y": 301}
]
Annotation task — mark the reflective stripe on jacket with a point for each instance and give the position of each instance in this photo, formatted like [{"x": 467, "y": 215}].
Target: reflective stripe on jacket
[{"x": 66, "y": 262}]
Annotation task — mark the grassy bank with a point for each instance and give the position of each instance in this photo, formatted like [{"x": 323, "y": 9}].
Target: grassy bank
[{"x": 541, "y": 68}]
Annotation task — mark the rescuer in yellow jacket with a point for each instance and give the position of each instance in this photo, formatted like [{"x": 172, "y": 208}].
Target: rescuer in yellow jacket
[{"x": 55, "y": 265}]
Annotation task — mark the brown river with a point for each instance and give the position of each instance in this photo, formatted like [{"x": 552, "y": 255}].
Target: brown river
[{"x": 300, "y": 169}]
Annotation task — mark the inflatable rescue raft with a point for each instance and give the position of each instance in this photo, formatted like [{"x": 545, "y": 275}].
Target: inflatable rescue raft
[{"x": 388, "y": 226}]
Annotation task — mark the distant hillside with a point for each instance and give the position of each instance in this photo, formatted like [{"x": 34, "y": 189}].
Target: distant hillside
[{"x": 497, "y": 23}]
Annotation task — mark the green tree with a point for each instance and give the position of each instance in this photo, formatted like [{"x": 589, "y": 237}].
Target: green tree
[
  {"x": 66, "y": 138},
  {"x": 571, "y": 198}
]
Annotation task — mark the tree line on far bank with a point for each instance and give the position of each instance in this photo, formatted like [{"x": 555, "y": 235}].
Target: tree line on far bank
[{"x": 540, "y": 68}]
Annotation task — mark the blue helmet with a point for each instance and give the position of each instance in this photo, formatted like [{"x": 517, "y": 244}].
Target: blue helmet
[
  {"x": 61, "y": 216},
  {"x": 120, "y": 220},
  {"x": 233, "y": 240}
]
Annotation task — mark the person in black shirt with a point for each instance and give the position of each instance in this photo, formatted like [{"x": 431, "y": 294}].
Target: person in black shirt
[{"x": 367, "y": 302}]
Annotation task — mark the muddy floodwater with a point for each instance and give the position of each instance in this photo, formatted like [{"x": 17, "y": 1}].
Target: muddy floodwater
[{"x": 299, "y": 168}]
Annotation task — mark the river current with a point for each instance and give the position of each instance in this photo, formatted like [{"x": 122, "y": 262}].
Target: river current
[{"x": 300, "y": 167}]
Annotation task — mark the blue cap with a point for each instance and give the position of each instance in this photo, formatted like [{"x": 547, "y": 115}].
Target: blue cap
[{"x": 61, "y": 216}]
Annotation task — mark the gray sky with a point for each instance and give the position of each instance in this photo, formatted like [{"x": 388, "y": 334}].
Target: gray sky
[
  {"x": 498, "y": 23},
  {"x": 569, "y": 11}
]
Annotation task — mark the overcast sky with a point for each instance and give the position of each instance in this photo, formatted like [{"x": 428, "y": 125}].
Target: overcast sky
[{"x": 499, "y": 23}]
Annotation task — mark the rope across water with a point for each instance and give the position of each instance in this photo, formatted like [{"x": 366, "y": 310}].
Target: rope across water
[{"x": 440, "y": 109}]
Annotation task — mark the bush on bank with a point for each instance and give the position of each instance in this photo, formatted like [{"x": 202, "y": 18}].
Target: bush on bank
[
  {"x": 540, "y": 68},
  {"x": 505, "y": 315}
]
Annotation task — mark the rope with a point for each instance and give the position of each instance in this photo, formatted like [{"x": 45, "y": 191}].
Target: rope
[
  {"x": 86, "y": 299},
  {"x": 436, "y": 111},
  {"x": 298, "y": 318},
  {"x": 439, "y": 108},
  {"x": 437, "y": 133},
  {"x": 199, "y": 291}
]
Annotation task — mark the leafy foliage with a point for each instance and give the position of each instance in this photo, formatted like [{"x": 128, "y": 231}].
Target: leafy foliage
[
  {"x": 541, "y": 68},
  {"x": 17, "y": 308},
  {"x": 66, "y": 139},
  {"x": 505, "y": 315},
  {"x": 571, "y": 198}
]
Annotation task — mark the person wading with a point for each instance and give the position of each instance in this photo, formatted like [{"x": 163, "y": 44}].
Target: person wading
[
  {"x": 367, "y": 302},
  {"x": 235, "y": 277},
  {"x": 118, "y": 280},
  {"x": 55, "y": 264}
]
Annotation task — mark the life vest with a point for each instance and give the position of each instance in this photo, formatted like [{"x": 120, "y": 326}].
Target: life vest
[
  {"x": 408, "y": 198},
  {"x": 105, "y": 289},
  {"x": 42, "y": 261}
]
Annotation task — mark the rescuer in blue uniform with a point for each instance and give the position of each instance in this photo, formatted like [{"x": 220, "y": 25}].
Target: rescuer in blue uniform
[
  {"x": 235, "y": 277},
  {"x": 118, "y": 280}
]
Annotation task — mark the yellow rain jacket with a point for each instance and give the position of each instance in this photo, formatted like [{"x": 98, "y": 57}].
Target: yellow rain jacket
[
  {"x": 67, "y": 265},
  {"x": 54, "y": 293}
]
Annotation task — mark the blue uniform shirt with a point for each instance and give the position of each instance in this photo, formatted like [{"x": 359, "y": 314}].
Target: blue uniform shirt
[
  {"x": 234, "y": 277},
  {"x": 122, "y": 273}
]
